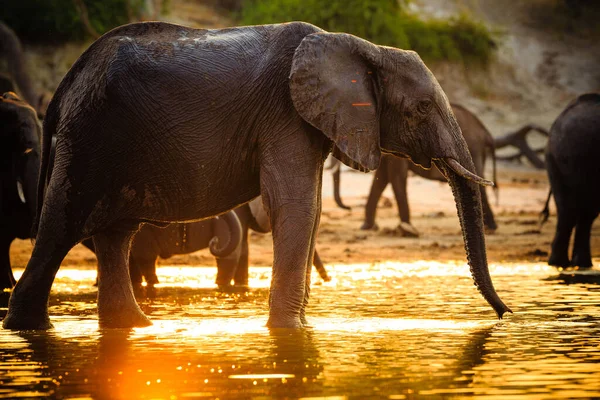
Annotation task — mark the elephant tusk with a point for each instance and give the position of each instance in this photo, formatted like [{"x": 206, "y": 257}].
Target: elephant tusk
[
  {"x": 465, "y": 173},
  {"x": 20, "y": 192}
]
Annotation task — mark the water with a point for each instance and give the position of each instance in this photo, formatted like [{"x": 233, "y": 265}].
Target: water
[{"x": 390, "y": 331}]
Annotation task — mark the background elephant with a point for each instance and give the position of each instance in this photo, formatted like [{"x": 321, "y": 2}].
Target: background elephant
[
  {"x": 20, "y": 134},
  {"x": 12, "y": 51},
  {"x": 573, "y": 171},
  {"x": 161, "y": 123},
  {"x": 152, "y": 242},
  {"x": 395, "y": 170}
]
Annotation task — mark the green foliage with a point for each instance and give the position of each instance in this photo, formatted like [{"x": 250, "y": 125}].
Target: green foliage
[
  {"x": 384, "y": 22},
  {"x": 60, "y": 19}
]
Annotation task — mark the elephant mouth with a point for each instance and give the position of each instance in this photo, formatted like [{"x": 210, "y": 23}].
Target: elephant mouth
[{"x": 423, "y": 162}]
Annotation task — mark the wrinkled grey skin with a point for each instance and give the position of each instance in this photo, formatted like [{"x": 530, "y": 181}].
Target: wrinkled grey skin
[
  {"x": 20, "y": 134},
  {"x": 395, "y": 170},
  {"x": 162, "y": 123},
  {"x": 573, "y": 171}
]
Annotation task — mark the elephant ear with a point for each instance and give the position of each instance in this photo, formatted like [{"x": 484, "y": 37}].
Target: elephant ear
[{"x": 332, "y": 84}]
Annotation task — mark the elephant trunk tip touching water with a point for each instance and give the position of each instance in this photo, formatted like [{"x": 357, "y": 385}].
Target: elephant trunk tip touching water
[{"x": 468, "y": 204}]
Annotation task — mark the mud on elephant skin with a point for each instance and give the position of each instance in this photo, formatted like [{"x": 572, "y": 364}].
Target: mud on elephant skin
[
  {"x": 395, "y": 170},
  {"x": 20, "y": 134},
  {"x": 573, "y": 171},
  {"x": 143, "y": 136}
]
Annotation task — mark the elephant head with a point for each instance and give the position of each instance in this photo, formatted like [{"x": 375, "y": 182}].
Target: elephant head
[
  {"x": 20, "y": 137},
  {"x": 370, "y": 99}
]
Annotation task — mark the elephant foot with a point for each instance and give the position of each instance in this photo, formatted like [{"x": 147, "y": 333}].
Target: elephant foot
[
  {"x": 556, "y": 261},
  {"x": 407, "y": 230},
  {"x": 233, "y": 288},
  {"x": 583, "y": 262},
  {"x": 27, "y": 320},
  {"x": 488, "y": 230},
  {"x": 124, "y": 317},
  {"x": 369, "y": 226},
  {"x": 276, "y": 322}
]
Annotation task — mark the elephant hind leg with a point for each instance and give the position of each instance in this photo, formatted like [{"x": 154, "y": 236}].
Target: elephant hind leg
[
  {"x": 117, "y": 307},
  {"x": 28, "y": 304},
  {"x": 582, "y": 254},
  {"x": 567, "y": 218},
  {"x": 380, "y": 182}
]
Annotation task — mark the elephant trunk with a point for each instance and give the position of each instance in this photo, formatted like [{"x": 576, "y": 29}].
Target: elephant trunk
[
  {"x": 468, "y": 203},
  {"x": 235, "y": 235}
]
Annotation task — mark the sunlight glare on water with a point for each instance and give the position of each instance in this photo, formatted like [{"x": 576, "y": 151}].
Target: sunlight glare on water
[{"x": 389, "y": 330}]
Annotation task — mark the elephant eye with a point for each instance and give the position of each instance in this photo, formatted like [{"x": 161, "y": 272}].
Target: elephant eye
[{"x": 424, "y": 107}]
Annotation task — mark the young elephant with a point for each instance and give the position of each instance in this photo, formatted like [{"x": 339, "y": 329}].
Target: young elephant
[
  {"x": 162, "y": 123},
  {"x": 151, "y": 242},
  {"x": 574, "y": 171},
  {"x": 395, "y": 170},
  {"x": 20, "y": 134},
  {"x": 231, "y": 228}
]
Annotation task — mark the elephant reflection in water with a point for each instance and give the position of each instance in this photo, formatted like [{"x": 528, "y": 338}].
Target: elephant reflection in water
[{"x": 119, "y": 363}]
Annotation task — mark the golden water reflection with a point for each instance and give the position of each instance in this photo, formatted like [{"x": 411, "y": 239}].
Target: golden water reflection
[{"x": 377, "y": 331}]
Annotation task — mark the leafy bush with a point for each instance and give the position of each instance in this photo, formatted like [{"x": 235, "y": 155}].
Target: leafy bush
[
  {"x": 60, "y": 19},
  {"x": 384, "y": 22}
]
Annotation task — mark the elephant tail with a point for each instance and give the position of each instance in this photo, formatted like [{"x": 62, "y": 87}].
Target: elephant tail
[
  {"x": 235, "y": 235},
  {"x": 320, "y": 267},
  {"x": 545, "y": 214},
  {"x": 336, "y": 186}
]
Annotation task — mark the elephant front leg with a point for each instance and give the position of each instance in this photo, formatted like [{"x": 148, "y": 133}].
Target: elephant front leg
[
  {"x": 117, "y": 307},
  {"x": 380, "y": 181},
  {"x": 398, "y": 173},
  {"x": 7, "y": 279},
  {"x": 311, "y": 256},
  {"x": 582, "y": 253},
  {"x": 292, "y": 238},
  {"x": 290, "y": 186}
]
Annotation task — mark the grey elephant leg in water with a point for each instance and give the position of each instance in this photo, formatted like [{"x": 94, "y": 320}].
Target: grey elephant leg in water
[{"x": 116, "y": 302}]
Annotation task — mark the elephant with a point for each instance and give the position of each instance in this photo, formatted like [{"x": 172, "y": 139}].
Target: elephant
[
  {"x": 20, "y": 134},
  {"x": 395, "y": 170},
  {"x": 12, "y": 51},
  {"x": 162, "y": 123},
  {"x": 573, "y": 173},
  {"x": 231, "y": 228}
]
